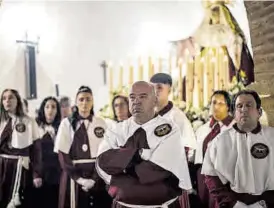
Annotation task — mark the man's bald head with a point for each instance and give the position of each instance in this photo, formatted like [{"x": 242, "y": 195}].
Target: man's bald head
[
  {"x": 142, "y": 101},
  {"x": 144, "y": 87}
]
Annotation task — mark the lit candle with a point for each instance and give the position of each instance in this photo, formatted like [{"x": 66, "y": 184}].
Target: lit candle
[
  {"x": 216, "y": 71},
  {"x": 189, "y": 82},
  {"x": 180, "y": 80},
  {"x": 110, "y": 71},
  {"x": 226, "y": 73},
  {"x": 211, "y": 76},
  {"x": 207, "y": 66},
  {"x": 221, "y": 68},
  {"x": 150, "y": 73},
  {"x": 189, "y": 65},
  {"x": 121, "y": 71},
  {"x": 170, "y": 65},
  {"x": 141, "y": 69},
  {"x": 201, "y": 83},
  {"x": 160, "y": 65},
  {"x": 197, "y": 68},
  {"x": 131, "y": 70}
]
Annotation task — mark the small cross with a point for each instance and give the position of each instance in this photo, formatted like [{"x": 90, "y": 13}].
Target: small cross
[
  {"x": 104, "y": 66},
  {"x": 30, "y": 43}
]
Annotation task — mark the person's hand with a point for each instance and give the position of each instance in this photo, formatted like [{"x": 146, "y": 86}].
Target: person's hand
[
  {"x": 145, "y": 154},
  {"x": 260, "y": 204},
  {"x": 240, "y": 205},
  {"x": 86, "y": 184},
  {"x": 37, "y": 182}
]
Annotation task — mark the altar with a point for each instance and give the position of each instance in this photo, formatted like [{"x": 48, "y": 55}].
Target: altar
[{"x": 217, "y": 56}]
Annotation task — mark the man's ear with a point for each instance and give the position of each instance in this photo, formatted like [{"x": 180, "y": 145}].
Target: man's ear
[
  {"x": 156, "y": 100},
  {"x": 169, "y": 89},
  {"x": 260, "y": 112}
]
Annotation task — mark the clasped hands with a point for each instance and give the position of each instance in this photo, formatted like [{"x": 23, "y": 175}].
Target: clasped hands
[
  {"x": 260, "y": 204},
  {"x": 86, "y": 184},
  {"x": 145, "y": 154}
]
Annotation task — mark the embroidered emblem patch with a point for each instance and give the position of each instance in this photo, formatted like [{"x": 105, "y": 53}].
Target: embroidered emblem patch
[
  {"x": 162, "y": 130},
  {"x": 259, "y": 151},
  {"x": 99, "y": 132},
  {"x": 20, "y": 127}
]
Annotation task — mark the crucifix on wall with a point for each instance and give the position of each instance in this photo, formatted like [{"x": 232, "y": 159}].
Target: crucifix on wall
[{"x": 104, "y": 66}]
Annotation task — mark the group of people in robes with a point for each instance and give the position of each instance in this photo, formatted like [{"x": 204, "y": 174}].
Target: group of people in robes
[{"x": 148, "y": 157}]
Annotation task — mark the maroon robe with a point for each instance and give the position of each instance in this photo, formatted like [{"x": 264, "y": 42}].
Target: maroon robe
[
  {"x": 202, "y": 188},
  {"x": 8, "y": 167},
  {"x": 97, "y": 195},
  {"x": 227, "y": 198},
  {"x": 47, "y": 195},
  {"x": 135, "y": 181}
]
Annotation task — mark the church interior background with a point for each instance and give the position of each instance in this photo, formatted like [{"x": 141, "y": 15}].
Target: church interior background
[{"x": 204, "y": 45}]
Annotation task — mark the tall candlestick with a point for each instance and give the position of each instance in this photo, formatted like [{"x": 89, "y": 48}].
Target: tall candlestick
[
  {"x": 130, "y": 80},
  {"x": 170, "y": 65},
  {"x": 187, "y": 74},
  {"x": 150, "y": 67},
  {"x": 160, "y": 65},
  {"x": 211, "y": 76},
  {"x": 121, "y": 71},
  {"x": 216, "y": 70},
  {"x": 110, "y": 71},
  {"x": 189, "y": 82},
  {"x": 221, "y": 68},
  {"x": 197, "y": 86},
  {"x": 226, "y": 73},
  {"x": 201, "y": 83},
  {"x": 141, "y": 70},
  {"x": 180, "y": 80}
]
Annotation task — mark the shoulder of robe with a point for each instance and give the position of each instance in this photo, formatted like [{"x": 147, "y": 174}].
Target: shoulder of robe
[
  {"x": 29, "y": 120},
  {"x": 178, "y": 114},
  {"x": 65, "y": 123},
  {"x": 268, "y": 131},
  {"x": 100, "y": 121},
  {"x": 202, "y": 128},
  {"x": 225, "y": 138}
]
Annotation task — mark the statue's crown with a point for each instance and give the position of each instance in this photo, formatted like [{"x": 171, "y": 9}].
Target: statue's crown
[{"x": 209, "y": 3}]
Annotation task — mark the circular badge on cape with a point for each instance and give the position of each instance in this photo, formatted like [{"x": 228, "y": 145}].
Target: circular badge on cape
[
  {"x": 85, "y": 147},
  {"x": 162, "y": 130},
  {"x": 99, "y": 132},
  {"x": 20, "y": 127},
  {"x": 259, "y": 151}
]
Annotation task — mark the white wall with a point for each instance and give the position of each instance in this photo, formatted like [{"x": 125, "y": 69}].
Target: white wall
[{"x": 77, "y": 36}]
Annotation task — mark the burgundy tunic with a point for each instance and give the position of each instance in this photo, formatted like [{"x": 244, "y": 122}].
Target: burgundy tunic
[
  {"x": 97, "y": 195},
  {"x": 135, "y": 181},
  {"x": 202, "y": 188},
  {"x": 8, "y": 167},
  {"x": 51, "y": 166}
]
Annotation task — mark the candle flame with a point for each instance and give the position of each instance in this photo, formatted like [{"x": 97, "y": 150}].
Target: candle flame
[
  {"x": 110, "y": 64},
  {"x": 186, "y": 51},
  {"x": 180, "y": 61}
]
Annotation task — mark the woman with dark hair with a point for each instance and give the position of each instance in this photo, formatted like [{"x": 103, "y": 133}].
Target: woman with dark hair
[
  {"x": 120, "y": 108},
  {"x": 77, "y": 142},
  {"x": 49, "y": 118},
  {"x": 19, "y": 147},
  {"x": 220, "y": 121}
]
